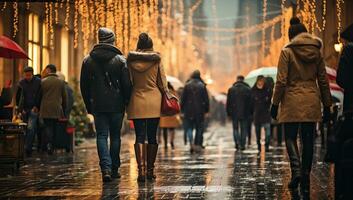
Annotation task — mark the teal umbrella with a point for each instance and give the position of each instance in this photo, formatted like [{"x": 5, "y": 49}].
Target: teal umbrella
[{"x": 265, "y": 71}]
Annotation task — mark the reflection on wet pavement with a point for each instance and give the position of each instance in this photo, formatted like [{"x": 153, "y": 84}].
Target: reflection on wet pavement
[{"x": 217, "y": 173}]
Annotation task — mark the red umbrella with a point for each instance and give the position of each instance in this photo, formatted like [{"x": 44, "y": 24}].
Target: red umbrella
[{"x": 10, "y": 49}]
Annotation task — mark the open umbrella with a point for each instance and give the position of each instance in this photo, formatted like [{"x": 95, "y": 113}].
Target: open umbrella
[
  {"x": 176, "y": 83},
  {"x": 265, "y": 71},
  {"x": 10, "y": 49}
]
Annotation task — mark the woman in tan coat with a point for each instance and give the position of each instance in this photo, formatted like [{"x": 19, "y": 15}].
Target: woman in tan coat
[
  {"x": 169, "y": 123},
  {"x": 300, "y": 89},
  {"x": 148, "y": 78}
]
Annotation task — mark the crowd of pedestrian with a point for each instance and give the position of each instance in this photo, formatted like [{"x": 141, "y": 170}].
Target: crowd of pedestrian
[{"x": 41, "y": 102}]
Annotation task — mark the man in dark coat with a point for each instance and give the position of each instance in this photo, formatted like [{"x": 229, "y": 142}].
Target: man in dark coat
[
  {"x": 261, "y": 103},
  {"x": 238, "y": 109},
  {"x": 344, "y": 159},
  {"x": 27, "y": 100},
  {"x": 106, "y": 90},
  {"x": 194, "y": 105},
  {"x": 53, "y": 101}
]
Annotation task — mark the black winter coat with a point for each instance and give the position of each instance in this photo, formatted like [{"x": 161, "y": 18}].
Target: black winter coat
[
  {"x": 105, "y": 80},
  {"x": 195, "y": 102},
  {"x": 261, "y": 103},
  {"x": 344, "y": 76},
  {"x": 239, "y": 101},
  {"x": 28, "y": 92},
  {"x": 5, "y": 98}
]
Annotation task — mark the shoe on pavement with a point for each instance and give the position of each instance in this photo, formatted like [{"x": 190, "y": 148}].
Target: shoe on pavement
[{"x": 106, "y": 176}]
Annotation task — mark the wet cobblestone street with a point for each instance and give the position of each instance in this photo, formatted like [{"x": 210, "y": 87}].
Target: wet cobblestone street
[{"x": 219, "y": 172}]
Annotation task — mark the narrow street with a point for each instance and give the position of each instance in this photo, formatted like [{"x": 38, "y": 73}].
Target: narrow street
[{"x": 218, "y": 173}]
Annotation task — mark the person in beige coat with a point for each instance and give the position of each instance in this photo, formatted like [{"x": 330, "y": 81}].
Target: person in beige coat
[
  {"x": 300, "y": 89},
  {"x": 148, "y": 79},
  {"x": 169, "y": 123}
]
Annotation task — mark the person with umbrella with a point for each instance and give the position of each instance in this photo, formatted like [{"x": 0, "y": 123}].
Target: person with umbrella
[
  {"x": 344, "y": 172},
  {"x": 9, "y": 49}
]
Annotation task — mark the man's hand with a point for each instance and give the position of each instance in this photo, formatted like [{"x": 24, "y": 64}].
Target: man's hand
[{"x": 274, "y": 111}]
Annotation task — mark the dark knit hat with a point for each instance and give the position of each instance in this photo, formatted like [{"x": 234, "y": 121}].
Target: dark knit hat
[
  {"x": 196, "y": 74},
  {"x": 105, "y": 35},
  {"x": 144, "y": 42},
  {"x": 28, "y": 69},
  {"x": 240, "y": 78},
  {"x": 296, "y": 28}
]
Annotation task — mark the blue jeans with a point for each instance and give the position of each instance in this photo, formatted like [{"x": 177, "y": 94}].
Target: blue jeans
[
  {"x": 32, "y": 128},
  {"x": 108, "y": 124},
  {"x": 198, "y": 124},
  {"x": 267, "y": 127},
  {"x": 240, "y": 136}
]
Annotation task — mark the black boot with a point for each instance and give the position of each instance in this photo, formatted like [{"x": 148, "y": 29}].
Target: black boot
[
  {"x": 165, "y": 138},
  {"x": 140, "y": 153},
  {"x": 106, "y": 176},
  {"x": 293, "y": 154},
  {"x": 115, "y": 173},
  {"x": 307, "y": 139},
  {"x": 305, "y": 186},
  {"x": 152, "y": 150}
]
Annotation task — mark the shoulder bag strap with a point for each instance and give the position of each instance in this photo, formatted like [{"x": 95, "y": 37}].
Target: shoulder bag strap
[{"x": 160, "y": 81}]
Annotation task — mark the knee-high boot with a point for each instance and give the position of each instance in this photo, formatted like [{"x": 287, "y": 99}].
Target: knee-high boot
[
  {"x": 165, "y": 137},
  {"x": 140, "y": 153},
  {"x": 152, "y": 150},
  {"x": 307, "y": 158},
  {"x": 293, "y": 154}
]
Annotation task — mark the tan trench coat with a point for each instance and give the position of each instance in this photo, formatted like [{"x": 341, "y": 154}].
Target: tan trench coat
[
  {"x": 146, "y": 97},
  {"x": 301, "y": 83}
]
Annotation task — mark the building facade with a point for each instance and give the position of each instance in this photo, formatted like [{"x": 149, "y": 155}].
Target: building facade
[{"x": 44, "y": 42}]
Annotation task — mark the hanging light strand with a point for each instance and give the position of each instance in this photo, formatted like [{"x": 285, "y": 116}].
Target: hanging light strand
[
  {"x": 3, "y": 6},
  {"x": 339, "y": 3},
  {"x": 283, "y": 22},
  {"x": 51, "y": 28},
  {"x": 76, "y": 25},
  {"x": 264, "y": 10},
  {"x": 15, "y": 19},
  {"x": 56, "y": 12},
  {"x": 67, "y": 14}
]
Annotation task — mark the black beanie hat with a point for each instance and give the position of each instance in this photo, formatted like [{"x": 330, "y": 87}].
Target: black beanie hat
[
  {"x": 144, "y": 42},
  {"x": 196, "y": 74},
  {"x": 296, "y": 28}
]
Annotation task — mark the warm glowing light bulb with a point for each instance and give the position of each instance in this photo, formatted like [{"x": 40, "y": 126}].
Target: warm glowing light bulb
[{"x": 338, "y": 47}]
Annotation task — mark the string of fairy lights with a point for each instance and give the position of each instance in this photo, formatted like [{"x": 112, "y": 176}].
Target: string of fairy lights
[
  {"x": 308, "y": 14},
  {"x": 339, "y": 4}
]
